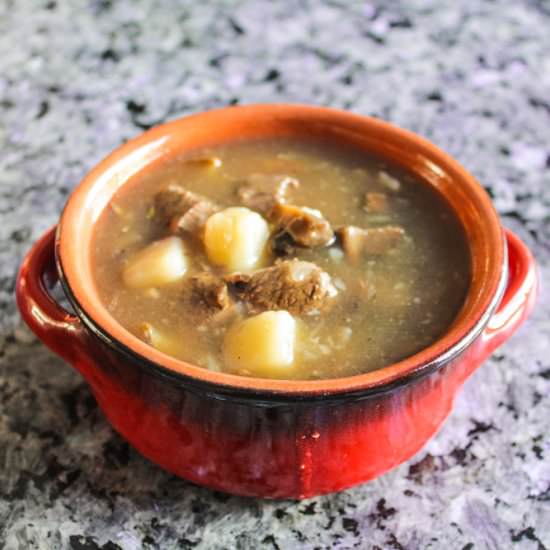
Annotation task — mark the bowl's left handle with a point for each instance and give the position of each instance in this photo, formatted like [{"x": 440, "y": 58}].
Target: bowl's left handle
[{"x": 62, "y": 332}]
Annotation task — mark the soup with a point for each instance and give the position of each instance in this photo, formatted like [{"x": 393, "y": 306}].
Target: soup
[{"x": 282, "y": 259}]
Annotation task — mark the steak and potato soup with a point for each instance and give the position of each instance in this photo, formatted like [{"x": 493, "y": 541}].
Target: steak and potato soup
[{"x": 282, "y": 259}]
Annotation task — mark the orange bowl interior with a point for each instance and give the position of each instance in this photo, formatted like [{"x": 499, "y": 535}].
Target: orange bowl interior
[{"x": 469, "y": 201}]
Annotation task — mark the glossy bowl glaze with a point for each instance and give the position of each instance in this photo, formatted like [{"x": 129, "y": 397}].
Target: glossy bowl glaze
[{"x": 273, "y": 438}]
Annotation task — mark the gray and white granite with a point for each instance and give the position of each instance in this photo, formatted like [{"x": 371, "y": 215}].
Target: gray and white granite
[{"x": 79, "y": 77}]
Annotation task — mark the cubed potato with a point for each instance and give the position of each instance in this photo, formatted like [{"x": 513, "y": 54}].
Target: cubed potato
[
  {"x": 158, "y": 339},
  {"x": 160, "y": 263},
  {"x": 389, "y": 182},
  {"x": 262, "y": 345},
  {"x": 235, "y": 238}
]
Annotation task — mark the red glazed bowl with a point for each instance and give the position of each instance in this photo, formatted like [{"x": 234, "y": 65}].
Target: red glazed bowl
[{"x": 273, "y": 438}]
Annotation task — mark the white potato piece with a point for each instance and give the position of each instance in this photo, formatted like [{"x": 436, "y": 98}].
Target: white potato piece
[
  {"x": 158, "y": 264},
  {"x": 159, "y": 340},
  {"x": 235, "y": 238},
  {"x": 389, "y": 182},
  {"x": 262, "y": 345}
]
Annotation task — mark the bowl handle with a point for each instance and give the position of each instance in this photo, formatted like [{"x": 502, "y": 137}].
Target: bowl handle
[
  {"x": 519, "y": 296},
  {"x": 62, "y": 332}
]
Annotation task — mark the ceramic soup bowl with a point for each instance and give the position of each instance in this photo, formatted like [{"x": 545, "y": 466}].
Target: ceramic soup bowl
[{"x": 273, "y": 438}]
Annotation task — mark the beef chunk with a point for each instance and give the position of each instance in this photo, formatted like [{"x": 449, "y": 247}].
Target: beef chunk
[
  {"x": 173, "y": 201},
  {"x": 306, "y": 226},
  {"x": 206, "y": 295},
  {"x": 205, "y": 162},
  {"x": 194, "y": 220},
  {"x": 296, "y": 286},
  {"x": 183, "y": 211},
  {"x": 357, "y": 241},
  {"x": 283, "y": 245},
  {"x": 267, "y": 194},
  {"x": 376, "y": 203},
  {"x": 262, "y": 192}
]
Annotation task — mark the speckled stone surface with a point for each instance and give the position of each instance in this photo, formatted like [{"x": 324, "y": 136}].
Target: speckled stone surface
[{"x": 78, "y": 78}]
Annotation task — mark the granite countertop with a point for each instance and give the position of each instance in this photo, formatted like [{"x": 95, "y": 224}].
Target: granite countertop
[{"x": 78, "y": 78}]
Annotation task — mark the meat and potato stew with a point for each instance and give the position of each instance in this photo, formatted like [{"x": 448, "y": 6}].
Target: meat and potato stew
[{"x": 282, "y": 259}]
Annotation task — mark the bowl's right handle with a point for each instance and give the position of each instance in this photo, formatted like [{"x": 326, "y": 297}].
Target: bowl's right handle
[
  {"x": 62, "y": 332},
  {"x": 519, "y": 296}
]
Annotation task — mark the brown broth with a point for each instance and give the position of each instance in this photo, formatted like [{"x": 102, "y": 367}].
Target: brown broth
[{"x": 415, "y": 290}]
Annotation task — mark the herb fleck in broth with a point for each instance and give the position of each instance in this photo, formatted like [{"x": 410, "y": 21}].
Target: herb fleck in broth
[{"x": 387, "y": 305}]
